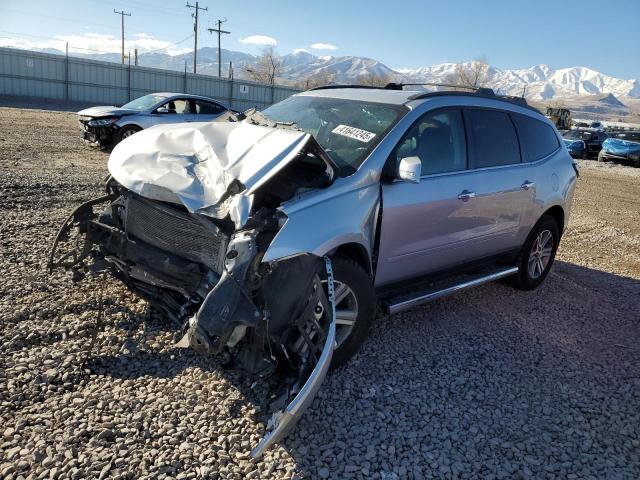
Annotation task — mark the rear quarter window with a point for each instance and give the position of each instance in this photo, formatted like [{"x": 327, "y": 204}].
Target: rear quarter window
[
  {"x": 537, "y": 139},
  {"x": 492, "y": 138}
]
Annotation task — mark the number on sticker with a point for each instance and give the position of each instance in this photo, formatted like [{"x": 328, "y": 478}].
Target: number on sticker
[{"x": 353, "y": 132}]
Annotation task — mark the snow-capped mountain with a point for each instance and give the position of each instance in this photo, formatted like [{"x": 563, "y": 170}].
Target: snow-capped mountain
[{"x": 538, "y": 83}]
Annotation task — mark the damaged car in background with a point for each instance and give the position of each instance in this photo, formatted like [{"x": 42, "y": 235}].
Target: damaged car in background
[
  {"x": 106, "y": 126},
  {"x": 272, "y": 236}
]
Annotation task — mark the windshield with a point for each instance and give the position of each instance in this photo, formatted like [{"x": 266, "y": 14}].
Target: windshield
[
  {"x": 346, "y": 129},
  {"x": 630, "y": 136},
  {"x": 144, "y": 103},
  {"x": 577, "y": 135}
]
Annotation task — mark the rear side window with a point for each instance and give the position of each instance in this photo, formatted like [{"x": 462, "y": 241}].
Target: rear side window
[
  {"x": 207, "y": 108},
  {"x": 536, "y": 138},
  {"x": 492, "y": 138}
]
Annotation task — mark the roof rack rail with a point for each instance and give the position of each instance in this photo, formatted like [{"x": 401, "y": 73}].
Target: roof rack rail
[
  {"x": 330, "y": 87},
  {"x": 399, "y": 86}
]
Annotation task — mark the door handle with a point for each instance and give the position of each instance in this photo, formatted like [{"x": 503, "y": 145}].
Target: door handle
[
  {"x": 466, "y": 195},
  {"x": 527, "y": 185}
]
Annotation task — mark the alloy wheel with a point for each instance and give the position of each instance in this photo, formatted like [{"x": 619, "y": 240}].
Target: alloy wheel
[
  {"x": 540, "y": 254},
  {"x": 346, "y": 310}
]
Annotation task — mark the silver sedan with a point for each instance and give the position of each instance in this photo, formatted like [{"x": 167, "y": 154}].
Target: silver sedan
[{"x": 104, "y": 126}]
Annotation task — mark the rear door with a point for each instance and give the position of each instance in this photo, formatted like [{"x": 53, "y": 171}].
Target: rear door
[
  {"x": 206, "y": 111},
  {"x": 505, "y": 186}
]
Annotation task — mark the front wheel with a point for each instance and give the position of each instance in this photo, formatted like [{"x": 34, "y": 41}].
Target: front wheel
[
  {"x": 355, "y": 301},
  {"x": 126, "y": 132},
  {"x": 537, "y": 254}
]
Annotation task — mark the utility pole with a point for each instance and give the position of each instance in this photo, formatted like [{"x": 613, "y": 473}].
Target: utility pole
[
  {"x": 219, "y": 32},
  {"x": 122, "y": 15},
  {"x": 195, "y": 30},
  {"x": 136, "y": 56}
]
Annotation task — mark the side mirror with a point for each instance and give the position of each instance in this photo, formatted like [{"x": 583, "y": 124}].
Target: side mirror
[
  {"x": 409, "y": 169},
  {"x": 162, "y": 110}
]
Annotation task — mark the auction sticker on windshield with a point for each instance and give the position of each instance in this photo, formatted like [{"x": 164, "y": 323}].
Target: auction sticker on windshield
[{"x": 353, "y": 132}]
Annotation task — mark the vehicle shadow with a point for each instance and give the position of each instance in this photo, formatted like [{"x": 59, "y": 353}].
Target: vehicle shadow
[{"x": 491, "y": 382}]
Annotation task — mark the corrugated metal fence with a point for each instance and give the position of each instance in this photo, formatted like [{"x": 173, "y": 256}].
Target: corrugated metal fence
[{"x": 43, "y": 75}]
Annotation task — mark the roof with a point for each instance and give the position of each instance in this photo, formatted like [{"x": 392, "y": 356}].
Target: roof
[
  {"x": 364, "y": 94},
  {"x": 397, "y": 96},
  {"x": 187, "y": 95}
]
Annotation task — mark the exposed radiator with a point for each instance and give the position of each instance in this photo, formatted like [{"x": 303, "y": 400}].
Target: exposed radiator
[{"x": 175, "y": 231}]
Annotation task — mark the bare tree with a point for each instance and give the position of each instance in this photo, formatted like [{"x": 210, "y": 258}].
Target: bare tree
[
  {"x": 324, "y": 77},
  {"x": 473, "y": 74},
  {"x": 374, "y": 80},
  {"x": 267, "y": 67}
]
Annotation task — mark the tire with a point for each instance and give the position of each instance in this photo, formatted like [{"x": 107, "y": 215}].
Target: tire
[
  {"x": 529, "y": 275},
  {"x": 361, "y": 295},
  {"x": 127, "y": 132}
]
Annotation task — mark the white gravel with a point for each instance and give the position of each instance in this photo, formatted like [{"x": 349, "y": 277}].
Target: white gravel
[{"x": 491, "y": 383}]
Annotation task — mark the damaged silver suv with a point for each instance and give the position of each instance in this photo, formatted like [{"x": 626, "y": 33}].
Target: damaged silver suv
[{"x": 274, "y": 235}]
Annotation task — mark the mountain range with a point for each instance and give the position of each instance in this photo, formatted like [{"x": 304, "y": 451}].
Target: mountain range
[{"x": 595, "y": 92}]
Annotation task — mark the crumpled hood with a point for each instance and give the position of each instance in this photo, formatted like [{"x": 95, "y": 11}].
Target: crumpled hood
[
  {"x": 195, "y": 164},
  {"x": 106, "y": 112},
  {"x": 618, "y": 145}
]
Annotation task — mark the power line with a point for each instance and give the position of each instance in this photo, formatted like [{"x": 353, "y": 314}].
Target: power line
[
  {"x": 219, "y": 32},
  {"x": 171, "y": 45},
  {"x": 122, "y": 15},
  {"x": 195, "y": 30}
]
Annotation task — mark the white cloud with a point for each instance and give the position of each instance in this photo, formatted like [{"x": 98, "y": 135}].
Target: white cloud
[
  {"x": 260, "y": 40},
  {"x": 323, "y": 46},
  {"x": 300, "y": 50},
  {"x": 97, "y": 43}
]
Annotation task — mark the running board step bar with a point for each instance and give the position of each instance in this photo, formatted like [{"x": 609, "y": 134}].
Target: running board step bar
[{"x": 399, "y": 304}]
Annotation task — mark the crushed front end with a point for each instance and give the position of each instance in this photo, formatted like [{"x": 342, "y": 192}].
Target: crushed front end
[
  {"x": 98, "y": 131},
  {"x": 205, "y": 272}
]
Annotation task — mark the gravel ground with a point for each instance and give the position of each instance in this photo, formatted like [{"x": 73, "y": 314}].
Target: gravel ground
[{"x": 490, "y": 383}]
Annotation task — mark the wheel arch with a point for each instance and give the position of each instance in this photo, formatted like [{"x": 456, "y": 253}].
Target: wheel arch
[
  {"x": 557, "y": 213},
  {"x": 357, "y": 252}
]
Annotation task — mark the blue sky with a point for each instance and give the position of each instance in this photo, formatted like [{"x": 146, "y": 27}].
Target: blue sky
[{"x": 602, "y": 35}]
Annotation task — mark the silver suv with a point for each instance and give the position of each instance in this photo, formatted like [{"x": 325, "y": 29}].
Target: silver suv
[{"x": 273, "y": 236}]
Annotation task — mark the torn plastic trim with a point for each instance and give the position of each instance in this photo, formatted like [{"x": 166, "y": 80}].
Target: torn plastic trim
[
  {"x": 227, "y": 304},
  {"x": 283, "y": 421}
]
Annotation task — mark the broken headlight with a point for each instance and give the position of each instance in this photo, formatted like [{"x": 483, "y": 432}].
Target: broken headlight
[{"x": 102, "y": 122}]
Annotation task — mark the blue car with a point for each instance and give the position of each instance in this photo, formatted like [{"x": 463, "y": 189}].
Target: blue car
[
  {"x": 583, "y": 143},
  {"x": 621, "y": 147}
]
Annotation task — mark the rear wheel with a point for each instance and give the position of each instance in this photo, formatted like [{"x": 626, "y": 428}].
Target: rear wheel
[
  {"x": 355, "y": 307},
  {"x": 537, "y": 254}
]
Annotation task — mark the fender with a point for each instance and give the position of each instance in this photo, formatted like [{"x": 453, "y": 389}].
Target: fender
[{"x": 321, "y": 227}]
